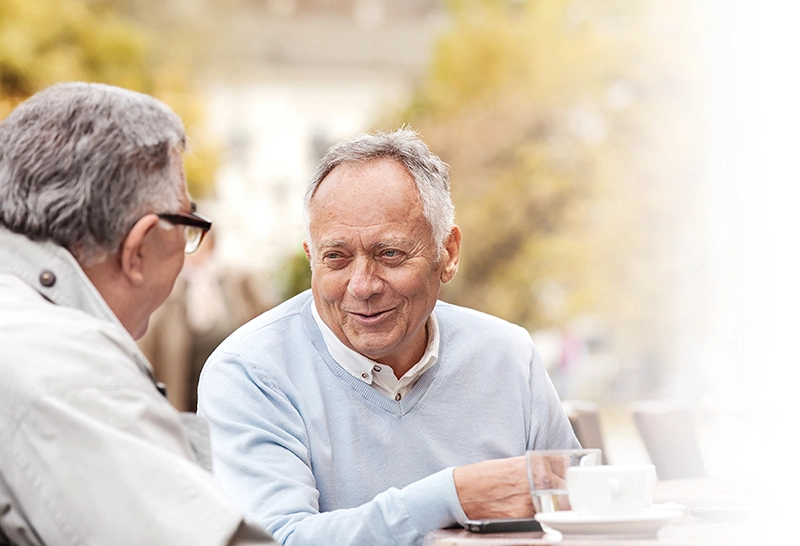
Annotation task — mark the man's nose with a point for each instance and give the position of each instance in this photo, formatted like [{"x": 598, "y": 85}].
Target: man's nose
[{"x": 364, "y": 282}]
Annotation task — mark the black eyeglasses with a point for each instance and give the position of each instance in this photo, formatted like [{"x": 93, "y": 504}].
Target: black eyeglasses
[{"x": 195, "y": 228}]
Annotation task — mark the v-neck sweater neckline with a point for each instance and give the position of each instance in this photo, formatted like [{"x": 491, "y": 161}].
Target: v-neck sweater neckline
[{"x": 398, "y": 408}]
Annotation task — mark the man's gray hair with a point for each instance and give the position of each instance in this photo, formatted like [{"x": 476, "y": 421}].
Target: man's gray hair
[
  {"x": 430, "y": 173},
  {"x": 80, "y": 163}
]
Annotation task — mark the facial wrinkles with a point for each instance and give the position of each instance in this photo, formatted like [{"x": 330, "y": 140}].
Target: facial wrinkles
[
  {"x": 365, "y": 243},
  {"x": 368, "y": 282},
  {"x": 375, "y": 302}
]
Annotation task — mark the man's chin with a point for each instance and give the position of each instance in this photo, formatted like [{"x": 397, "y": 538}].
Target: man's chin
[{"x": 375, "y": 347}]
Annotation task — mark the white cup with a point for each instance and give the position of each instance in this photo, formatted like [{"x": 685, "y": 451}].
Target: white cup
[
  {"x": 649, "y": 482},
  {"x": 610, "y": 490}
]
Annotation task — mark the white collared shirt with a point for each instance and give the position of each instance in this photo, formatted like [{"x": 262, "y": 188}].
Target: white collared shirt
[{"x": 380, "y": 376}]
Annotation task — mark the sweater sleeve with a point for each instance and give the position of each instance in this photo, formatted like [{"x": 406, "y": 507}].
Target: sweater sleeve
[
  {"x": 261, "y": 456},
  {"x": 550, "y": 427}
]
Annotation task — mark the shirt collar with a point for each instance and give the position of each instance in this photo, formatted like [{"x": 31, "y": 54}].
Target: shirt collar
[{"x": 363, "y": 368}]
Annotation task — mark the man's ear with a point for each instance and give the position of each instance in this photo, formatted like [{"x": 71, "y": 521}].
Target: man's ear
[
  {"x": 132, "y": 253},
  {"x": 307, "y": 250},
  {"x": 452, "y": 248}
]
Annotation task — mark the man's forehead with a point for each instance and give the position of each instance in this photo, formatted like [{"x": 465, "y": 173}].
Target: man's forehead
[{"x": 385, "y": 175}]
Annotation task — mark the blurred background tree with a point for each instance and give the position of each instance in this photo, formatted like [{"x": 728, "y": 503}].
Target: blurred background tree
[
  {"x": 295, "y": 276},
  {"x": 556, "y": 118},
  {"x": 49, "y": 41}
]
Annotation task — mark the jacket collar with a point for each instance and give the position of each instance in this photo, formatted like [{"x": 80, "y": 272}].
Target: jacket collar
[{"x": 53, "y": 272}]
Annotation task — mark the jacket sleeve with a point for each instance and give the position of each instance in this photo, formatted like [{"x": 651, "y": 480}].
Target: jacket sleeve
[
  {"x": 261, "y": 456},
  {"x": 103, "y": 460}
]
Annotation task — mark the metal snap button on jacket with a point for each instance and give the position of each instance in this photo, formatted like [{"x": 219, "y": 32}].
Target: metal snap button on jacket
[{"x": 47, "y": 279}]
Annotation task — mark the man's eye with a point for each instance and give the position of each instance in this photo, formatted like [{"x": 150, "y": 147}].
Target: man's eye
[
  {"x": 392, "y": 255},
  {"x": 335, "y": 260}
]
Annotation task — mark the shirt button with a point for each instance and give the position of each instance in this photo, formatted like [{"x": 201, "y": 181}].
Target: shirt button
[
  {"x": 365, "y": 375},
  {"x": 47, "y": 279},
  {"x": 376, "y": 368},
  {"x": 397, "y": 396}
]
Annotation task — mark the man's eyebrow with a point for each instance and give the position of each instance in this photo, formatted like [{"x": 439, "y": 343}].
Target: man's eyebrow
[
  {"x": 389, "y": 243},
  {"x": 193, "y": 207},
  {"x": 327, "y": 243}
]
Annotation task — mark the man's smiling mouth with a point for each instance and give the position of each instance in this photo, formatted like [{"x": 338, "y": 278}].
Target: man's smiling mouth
[{"x": 370, "y": 318}]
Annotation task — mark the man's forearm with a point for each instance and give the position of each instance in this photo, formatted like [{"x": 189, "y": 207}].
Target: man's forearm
[{"x": 397, "y": 516}]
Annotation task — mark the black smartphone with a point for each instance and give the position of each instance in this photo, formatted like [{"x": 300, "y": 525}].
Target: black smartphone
[{"x": 502, "y": 525}]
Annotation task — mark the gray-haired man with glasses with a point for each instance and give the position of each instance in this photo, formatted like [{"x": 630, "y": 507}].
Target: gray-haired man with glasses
[{"x": 95, "y": 219}]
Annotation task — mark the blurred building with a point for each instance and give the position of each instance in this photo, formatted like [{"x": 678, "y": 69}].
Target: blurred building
[{"x": 284, "y": 80}]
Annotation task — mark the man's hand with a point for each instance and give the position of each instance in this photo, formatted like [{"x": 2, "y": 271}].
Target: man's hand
[
  {"x": 549, "y": 471},
  {"x": 494, "y": 489}
]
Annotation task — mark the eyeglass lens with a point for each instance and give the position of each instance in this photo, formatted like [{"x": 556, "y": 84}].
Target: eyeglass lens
[{"x": 194, "y": 236}]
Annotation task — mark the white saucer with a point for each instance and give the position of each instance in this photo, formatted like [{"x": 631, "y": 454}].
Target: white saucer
[{"x": 644, "y": 524}]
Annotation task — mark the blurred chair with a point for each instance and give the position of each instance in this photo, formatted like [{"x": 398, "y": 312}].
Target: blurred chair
[
  {"x": 669, "y": 432},
  {"x": 584, "y": 416}
]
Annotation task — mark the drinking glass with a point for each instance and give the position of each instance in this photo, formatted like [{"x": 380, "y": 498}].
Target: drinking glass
[{"x": 547, "y": 475}]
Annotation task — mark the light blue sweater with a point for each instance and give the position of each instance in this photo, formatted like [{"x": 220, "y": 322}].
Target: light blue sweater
[{"x": 318, "y": 457}]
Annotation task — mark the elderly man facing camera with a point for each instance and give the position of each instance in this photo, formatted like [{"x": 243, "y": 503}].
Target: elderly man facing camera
[
  {"x": 95, "y": 219},
  {"x": 366, "y": 412}
]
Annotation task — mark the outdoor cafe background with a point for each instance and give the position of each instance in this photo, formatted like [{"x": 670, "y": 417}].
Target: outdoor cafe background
[{"x": 621, "y": 170}]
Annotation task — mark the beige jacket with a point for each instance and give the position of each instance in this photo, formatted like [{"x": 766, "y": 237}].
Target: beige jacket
[{"x": 90, "y": 451}]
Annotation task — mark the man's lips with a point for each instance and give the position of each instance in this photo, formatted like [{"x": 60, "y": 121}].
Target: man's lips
[{"x": 369, "y": 318}]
